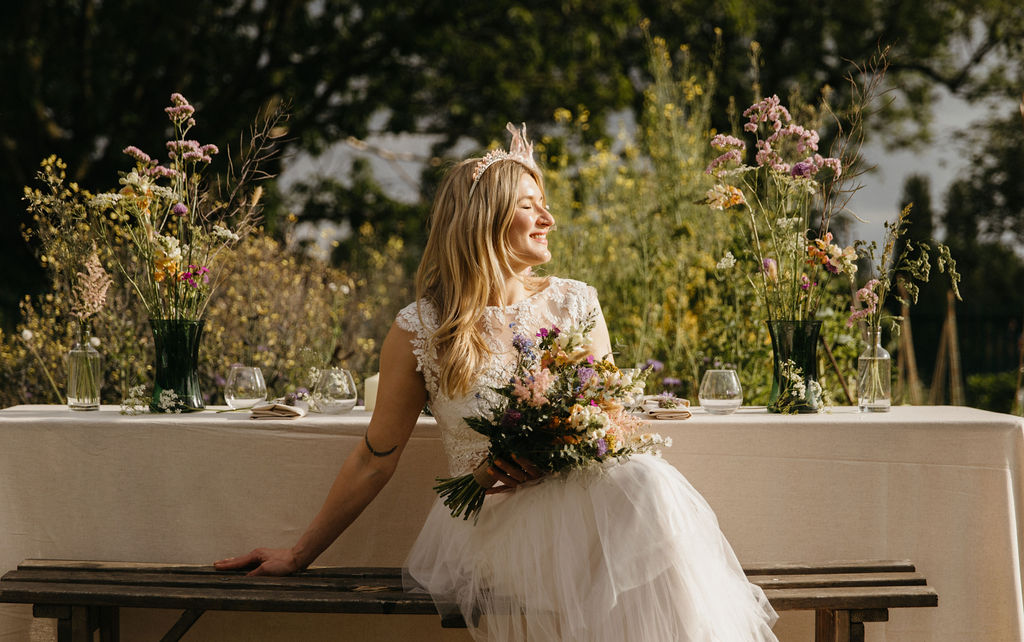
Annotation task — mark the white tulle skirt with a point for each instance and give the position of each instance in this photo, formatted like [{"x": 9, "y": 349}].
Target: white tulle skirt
[{"x": 620, "y": 552}]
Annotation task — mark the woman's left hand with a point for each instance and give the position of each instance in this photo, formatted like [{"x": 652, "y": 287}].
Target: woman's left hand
[{"x": 510, "y": 475}]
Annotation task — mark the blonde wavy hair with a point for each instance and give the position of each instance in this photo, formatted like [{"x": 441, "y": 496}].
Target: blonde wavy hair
[{"x": 466, "y": 262}]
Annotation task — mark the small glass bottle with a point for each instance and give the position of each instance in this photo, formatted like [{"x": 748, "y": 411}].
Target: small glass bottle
[
  {"x": 83, "y": 373},
  {"x": 874, "y": 375}
]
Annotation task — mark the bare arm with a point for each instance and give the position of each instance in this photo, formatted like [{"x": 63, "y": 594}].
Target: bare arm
[{"x": 363, "y": 474}]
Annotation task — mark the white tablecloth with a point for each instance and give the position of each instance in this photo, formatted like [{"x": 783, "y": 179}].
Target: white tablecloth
[{"x": 938, "y": 485}]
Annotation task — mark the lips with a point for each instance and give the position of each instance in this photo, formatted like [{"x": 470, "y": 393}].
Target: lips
[{"x": 540, "y": 238}]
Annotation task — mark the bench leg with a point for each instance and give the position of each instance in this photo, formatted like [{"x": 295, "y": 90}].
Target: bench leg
[
  {"x": 845, "y": 626},
  {"x": 72, "y": 621},
  {"x": 834, "y": 626},
  {"x": 109, "y": 624},
  {"x": 181, "y": 627}
]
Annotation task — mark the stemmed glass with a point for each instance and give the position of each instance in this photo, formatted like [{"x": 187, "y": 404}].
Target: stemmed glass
[
  {"x": 720, "y": 392},
  {"x": 335, "y": 391},
  {"x": 245, "y": 387}
]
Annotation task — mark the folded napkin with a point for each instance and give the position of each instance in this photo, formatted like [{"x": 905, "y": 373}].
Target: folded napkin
[
  {"x": 276, "y": 410},
  {"x": 653, "y": 407},
  {"x": 667, "y": 413}
]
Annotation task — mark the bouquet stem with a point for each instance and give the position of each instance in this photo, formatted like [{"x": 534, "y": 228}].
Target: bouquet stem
[{"x": 464, "y": 495}]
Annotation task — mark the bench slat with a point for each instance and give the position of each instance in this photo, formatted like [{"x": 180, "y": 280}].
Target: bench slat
[
  {"x": 198, "y": 569},
  {"x": 240, "y": 581},
  {"x": 852, "y": 597},
  {"x": 390, "y": 581},
  {"x": 225, "y": 599},
  {"x": 851, "y": 566},
  {"x": 825, "y": 580}
]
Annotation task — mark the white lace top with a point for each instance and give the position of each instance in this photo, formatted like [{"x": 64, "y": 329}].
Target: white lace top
[{"x": 563, "y": 303}]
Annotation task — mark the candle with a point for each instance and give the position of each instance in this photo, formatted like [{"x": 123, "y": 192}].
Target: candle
[{"x": 370, "y": 391}]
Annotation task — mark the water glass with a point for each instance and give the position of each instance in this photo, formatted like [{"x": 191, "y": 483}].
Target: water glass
[
  {"x": 335, "y": 391},
  {"x": 245, "y": 387},
  {"x": 720, "y": 392}
]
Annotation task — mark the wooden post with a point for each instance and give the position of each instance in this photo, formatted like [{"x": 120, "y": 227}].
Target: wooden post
[
  {"x": 907, "y": 357},
  {"x": 937, "y": 394},
  {"x": 839, "y": 373},
  {"x": 956, "y": 375},
  {"x": 949, "y": 351}
]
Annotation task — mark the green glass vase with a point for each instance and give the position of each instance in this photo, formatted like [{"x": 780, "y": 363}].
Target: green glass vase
[
  {"x": 176, "y": 384},
  {"x": 795, "y": 387}
]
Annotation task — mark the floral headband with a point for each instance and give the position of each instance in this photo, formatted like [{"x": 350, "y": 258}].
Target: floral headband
[{"x": 520, "y": 150}]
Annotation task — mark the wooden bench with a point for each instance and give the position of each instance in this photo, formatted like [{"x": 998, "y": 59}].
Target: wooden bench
[{"x": 85, "y": 596}]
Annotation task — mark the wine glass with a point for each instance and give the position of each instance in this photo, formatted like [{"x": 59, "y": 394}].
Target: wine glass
[
  {"x": 720, "y": 392},
  {"x": 335, "y": 391},
  {"x": 245, "y": 387}
]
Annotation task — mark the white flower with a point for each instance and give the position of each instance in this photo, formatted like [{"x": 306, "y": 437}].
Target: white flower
[
  {"x": 169, "y": 246},
  {"x": 168, "y": 401},
  {"x": 728, "y": 261},
  {"x": 95, "y": 341},
  {"x": 26, "y": 335},
  {"x": 106, "y": 200},
  {"x": 224, "y": 234}
]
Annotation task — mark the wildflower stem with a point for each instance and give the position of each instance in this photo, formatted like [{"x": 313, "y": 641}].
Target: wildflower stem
[{"x": 46, "y": 371}]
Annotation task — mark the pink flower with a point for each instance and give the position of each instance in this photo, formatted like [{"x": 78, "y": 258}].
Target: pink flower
[
  {"x": 866, "y": 295},
  {"x": 139, "y": 155},
  {"x": 533, "y": 389},
  {"x": 724, "y": 142},
  {"x": 733, "y": 155}
]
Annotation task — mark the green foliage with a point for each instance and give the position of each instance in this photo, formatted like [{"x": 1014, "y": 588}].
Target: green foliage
[
  {"x": 277, "y": 310},
  {"x": 633, "y": 224},
  {"x": 992, "y": 391}
]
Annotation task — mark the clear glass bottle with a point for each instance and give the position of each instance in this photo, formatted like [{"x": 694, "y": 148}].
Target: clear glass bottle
[
  {"x": 84, "y": 381},
  {"x": 874, "y": 375}
]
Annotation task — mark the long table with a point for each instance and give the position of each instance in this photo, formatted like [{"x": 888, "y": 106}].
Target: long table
[{"x": 938, "y": 485}]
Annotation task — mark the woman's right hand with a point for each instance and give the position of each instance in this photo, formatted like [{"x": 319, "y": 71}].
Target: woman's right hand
[{"x": 262, "y": 561}]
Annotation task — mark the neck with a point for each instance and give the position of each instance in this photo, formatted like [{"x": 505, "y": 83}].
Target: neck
[{"x": 515, "y": 290}]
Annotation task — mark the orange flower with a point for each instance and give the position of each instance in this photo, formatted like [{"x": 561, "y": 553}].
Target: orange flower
[{"x": 164, "y": 268}]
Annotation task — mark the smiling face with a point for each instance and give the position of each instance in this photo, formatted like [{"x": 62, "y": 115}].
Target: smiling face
[{"x": 527, "y": 236}]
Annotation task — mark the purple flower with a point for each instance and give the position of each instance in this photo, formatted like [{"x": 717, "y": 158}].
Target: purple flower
[
  {"x": 511, "y": 417},
  {"x": 179, "y": 209},
  {"x": 655, "y": 365},
  {"x": 671, "y": 382},
  {"x": 602, "y": 447},
  {"x": 521, "y": 343},
  {"x": 543, "y": 332},
  {"x": 585, "y": 374},
  {"x": 803, "y": 169}
]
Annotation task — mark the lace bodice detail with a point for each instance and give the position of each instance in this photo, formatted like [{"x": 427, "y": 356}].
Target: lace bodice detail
[{"x": 562, "y": 303}]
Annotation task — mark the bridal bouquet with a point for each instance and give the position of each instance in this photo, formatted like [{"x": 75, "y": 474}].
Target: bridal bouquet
[{"x": 561, "y": 409}]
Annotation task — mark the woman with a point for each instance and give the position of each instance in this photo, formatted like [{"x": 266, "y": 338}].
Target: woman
[{"x": 628, "y": 551}]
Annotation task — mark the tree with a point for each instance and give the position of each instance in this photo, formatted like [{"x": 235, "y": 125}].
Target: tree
[{"x": 86, "y": 78}]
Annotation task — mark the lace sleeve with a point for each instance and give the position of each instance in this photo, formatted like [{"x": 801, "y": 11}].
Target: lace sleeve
[
  {"x": 411, "y": 320},
  {"x": 579, "y": 300}
]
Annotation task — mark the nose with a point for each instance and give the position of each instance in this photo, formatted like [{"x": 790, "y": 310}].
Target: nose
[{"x": 545, "y": 219}]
